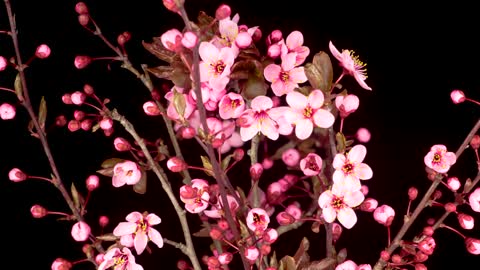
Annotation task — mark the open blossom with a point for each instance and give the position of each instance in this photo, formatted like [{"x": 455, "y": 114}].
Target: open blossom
[
  {"x": 140, "y": 228},
  {"x": 351, "y": 265},
  {"x": 80, "y": 231},
  {"x": 473, "y": 245},
  {"x": 126, "y": 172},
  {"x": 231, "y": 105},
  {"x": 217, "y": 210},
  {"x": 457, "y": 96},
  {"x": 119, "y": 259},
  {"x": 438, "y": 159},
  {"x": 285, "y": 77},
  {"x": 61, "y": 264},
  {"x": 306, "y": 112},
  {"x": 195, "y": 195},
  {"x": 347, "y": 104},
  {"x": 311, "y": 164},
  {"x": 349, "y": 168},
  {"x": 294, "y": 43},
  {"x": 7, "y": 111},
  {"x": 338, "y": 203},
  {"x": 215, "y": 65},
  {"x": 351, "y": 65},
  {"x": 384, "y": 215},
  {"x": 257, "y": 220},
  {"x": 260, "y": 118},
  {"x": 474, "y": 200}
]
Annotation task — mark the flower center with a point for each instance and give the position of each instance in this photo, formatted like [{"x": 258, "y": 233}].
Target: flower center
[
  {"x": 347, "y": 168},
  {"x": 312, "y": 164},
  {"x": 218, "y": 67},
  {"x": 120, "y": 261},
  {"x": 129, "y": 173},
  {"x": 284, "y": 76},
  {"x": 437, "y": 158},
  {"x": 234, "y": 103},
  {"x": 337, "y": 203},
  {"x": 308, "y": 112},
  {"x": 142, "y": 226},
  {"x": 260, "y": 116}
]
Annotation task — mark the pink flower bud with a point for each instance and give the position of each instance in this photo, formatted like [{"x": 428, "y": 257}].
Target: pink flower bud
[
  {"x": 420, "y": 266},
  {"x": 81, "y": 8},
  {"x": 384, "y": 255},
  {"x": 384, "y": 215},
  {"x": 475, "y": 142},
  {"x": 151, "y": 108},
  {"x": 83, "y": 19},
  {"x": 3, "y": 63},
  {"x": 243, "y": 40},
  {"x": 336, "y": 231},
  {"x": 38, "y": 211},
  {"x": 82, "y": 61},
  {"x": 252, "y": 253},
  {"x": 420, "y": 256},
  {"x": 457, "y": 96},
  {"x": 427, "y": 245},
  {"x": 67, "y": 99},
  {"x": 267, "y": 163},
  {"x": 363, "y": 135},
  {"x": 397, "y": 259},
  {"x": 99, "y": 258},
  {"x": 466, "y": 221},
  {"x": 16, "y": 175},
  {"x": 450, "y": 207},
  {"x": 175, "y": 164},
  {"x": 78, "y": 115},
  {"x": 60, "y": 121},
  {"x": 274, "y": 37},
  {"x": 92, "y": 182},
  {"x": 121, "y": 144},
  {"x": 43, "y": 51},
  {"x": 182, "y": 265},
  {"x": 189, "y": 40},
  {"x": 88, "y": 89},
  {"x": 453, "y": 183},
  {"x": 265, "y": 249},
  {"x": 238, "y": 154},
  {"x": 256, "y": 171},
  {"x": 223, "y": 12},
  {"x": 103, "y": 221},
  {"x": 172, "y": 5},
  {"x": 73, "y": 125},
  {"x": 78, "y": 97},
  {"x": 86, "y": 124},
  {"x": 294, "y": 210},
  {"x": 274, "y": 51},
  {"x": 123, "y": 38},
  {"x": 428, "y": 230},
  {"x": 106, "y": 123},
  {"x": 187, "y": 132},
  {"x": 369, "y": 205},
  {"x": 412, "y": 193},
  {"x": 61, "y": 264},
  {"x": 80, "y": 231},
  {"x": 364, "y": 189},
  {"x": 7, "y": 111},
  {"x": 473, "y": 245},
  {"x": 225, "y": 258},
  {"x": 311, "y": 165},
  {"x": 270, "y": 235},
  {"x": 291, "y": 157},
  {"x": 284, "y": 218},
  {"x": 108, "y": 132},
  {"x": 215, "y": 234},
  {"x": 257, "y": 35},
  {"x": 170, "y": 39}
]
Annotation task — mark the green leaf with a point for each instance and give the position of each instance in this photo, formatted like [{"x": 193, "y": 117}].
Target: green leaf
[
  {"x": 323, "y": 64},
  {"x": 226, "y": 162},
  {"x": 108, "y": 237},
  {"x": 179, "y": 102},
  {"x": 106, "y": 172},
  {"x": 18, "y": 87},
  {"x": 287, "y": 263},
  {"x": 141, "y": 186},
  {"x": 77, "y": 197},
  {"x": 42, "y": 113},
  {"x": 341, "y": 142},
  {"x": 162, "y": 72},
  {"x": 111, "y": 162},
  {"x": 207, "y": 165}
]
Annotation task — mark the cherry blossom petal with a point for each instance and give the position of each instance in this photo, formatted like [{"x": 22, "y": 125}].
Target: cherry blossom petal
[
  {"x": 296, "y": 100},
  {"x": 261, "y": 103},
  {"x": 288, "y": 61},
  {"x": 363, "y": 171},
  {"x": 339, "y": 161},
  {"x": 335, "y": 52},
  {"x": 329, "y": 214},
  {"x": 208, "y": 52},
  {"x": 303, "y": 129},
  {"x": 325, "y": 199},
  {"x": 353, "y": 199},
  {"x": 316, "y": 99},
  {"x": 269, "y": 129},
  {"x": 155, "y": 237},
  {"x": 294, "y": 40},
  {"x": 125, "y": 228},
  {"x": 272, "y": 72},
  {"x": 347, "y": 217},
  {"x": 247, "y": 133},
  {"x": 361, "y": 81},
  {"x": 134, "y": 216},
  {"x": 297, "y": 75},
  {"x": 140, "y": 241},
  {"x": 357, "y": 153},
  {"x": 323, "y": 118},
  {"x": 153, "y": 219}
]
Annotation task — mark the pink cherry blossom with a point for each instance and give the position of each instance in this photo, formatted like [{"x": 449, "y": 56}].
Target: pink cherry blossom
[
  {"x": 231, "y": 105},
  {"x": 80, "y": 231},
  {"x": 257, "y": 220},
  {"x": 119, "y": 259},
  {"x": 347, "y": 265},
  {"x": 285, "y": 77},
  {"x": 172, "y": 112},
  {"x": 7, "y": 111},
  {"x": 349, "y": 167},
  {"x": 466, "y": 221},
  {"x": 126, "y": 172},
  {"x": 427, "y": 245},
  {"x": 217, "y": 210},
  {"x": 453, "y": 183},
  {"x": 472, "y": 245},
  {"x": 43, "y": 51},
  {"x": 347, "y": 104},
  {"x": 291, "y": 157},
  {"x": 195, "y": 195},
  {"x": 338, "y": 203},
  {"x": 363, "y": 135},
  {"x": 384, "y": 215},
  {"x": 61, "y": 264},
  {"x": 140, "y": 227},
  {"x": 215, "y": 65},
  {"x": 306, "y": 112},
  {"x": 3, "y": 63},
  {"x": 438, "y": 159},
  {"x": 474, "y": 200},
  {"x": 17, "y": 175},
  {"x": 171, "y": 39},
  {"x": 311, "y": 164},
  {"x": 151, "y": 108},
  {"x": 294, "y": 43},
  {"x": 260, "y": 118},
  {"x": 351, "y": 65}
]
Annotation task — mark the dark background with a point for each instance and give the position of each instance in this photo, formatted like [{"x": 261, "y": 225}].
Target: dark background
[{"x": 415, "y": 54}]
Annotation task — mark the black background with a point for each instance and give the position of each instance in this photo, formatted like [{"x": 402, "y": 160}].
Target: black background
[{"x": 415, "y": 54}]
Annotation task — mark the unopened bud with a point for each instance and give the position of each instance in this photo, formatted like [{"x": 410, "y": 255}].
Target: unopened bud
[
  {"x": 38, "y": 211},
  {"x": 475, "y": 142},
  {"x": 384, "y": 255},
  {"x": 453, "y": 183},
  {"x": 81, "y": 8},
  {"x": 121, "y": 144},
  {"x": 88, "y": 89},
  {"x": 450, "y": 207},
  {"x": 78, "y": 98},
  {"x": 43, "y": 51},
  {"x": 412, "y": 193},
  {"x": 73, "y": 125},
  {"x": 182, "y": 265},
  {"x": 123, "y": 38},
  {"x": 428, "y": 230},
  {"x": 86, "y": 124},
  {"x": 82, "y": 61},
  {"x": 215, "y": 234},
  {"x": 83, "y": 19},
  {"x": 238, "y": 154},
  {"x": 176, "y": 164},
  {"x": 103, "y": 221},
  {"x": 223, "y": 12},
  {"x": 457, "y": 96},
  {"x": 256, "y": 171},
  {"x": 78, "y": 115},
  {"x": 16, "y": 175},
  {"x": 92, "y": 182},
  {"x": 61, "y": 264}
]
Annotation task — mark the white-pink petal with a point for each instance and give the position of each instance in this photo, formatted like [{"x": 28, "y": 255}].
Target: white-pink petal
[
  {"x": 323, "y": 118},
  {"x": 134, "y": 216},
  {"x": 296, "y": 100},
  {"x": 125, "y": 228},
  {"x": 329, "y": 214},
  {"x": 357, "y": 153},
  {"x": 140, "y": 241},
  {"x": 347, "y": 217},
  {"x": 153, "y": 219},
  {"x": 339, "y": 161},
  {"x": 155, "y": 237},
  {"x": 272, "y": 72},
  {"x": 316, "y": 99},
  {"x": 261, "y": 103},
  {"x": 297, "y": 75},
  {"x": 303, "y": 128},
  {"x": 363, "y": 171}
]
